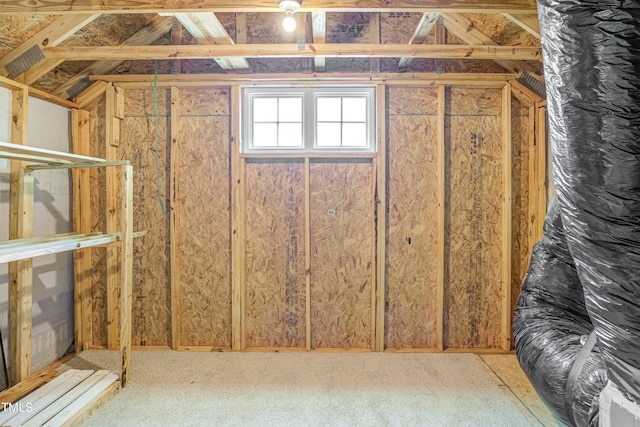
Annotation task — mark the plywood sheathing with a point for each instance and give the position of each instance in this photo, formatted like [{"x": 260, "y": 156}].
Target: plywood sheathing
[
  {"x": 203, "y": 232},
  {"x": 98, "y": 224},
  {"x": 16, "y": 29},
  {"x": 275, "y": 257},
  {"x": 474, "y": 219},
  {"x": 342, "y": 249},
  {"x": 267, "y": 28},
  {"x": 412, "y": 218},
  {"x": 151, "y": 321},
  {"x": 106, "y": 30}
]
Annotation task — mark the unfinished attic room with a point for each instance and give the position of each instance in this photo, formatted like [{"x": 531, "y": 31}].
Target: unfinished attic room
[{"x": 311, "y": 213}]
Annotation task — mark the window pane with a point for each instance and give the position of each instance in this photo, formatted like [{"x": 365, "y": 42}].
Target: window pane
[
  {"x": 354, "y": 134},
  {"x": 265, "y": 135},
  {"x": 265, "y": 109},
  {"x": 355, "y": 109},
  {"x": 290, "y": 135},
  {"x": 328, "y": 135},
  {"x": 290, "y": 110},
  {"x": 329, "y": 110}
]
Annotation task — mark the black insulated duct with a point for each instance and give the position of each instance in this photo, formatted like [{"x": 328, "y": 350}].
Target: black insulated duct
[{"x": 585, "y": 273}]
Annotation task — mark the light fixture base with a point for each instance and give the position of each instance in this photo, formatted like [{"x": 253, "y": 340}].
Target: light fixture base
[{"x": 289, "y": 6}]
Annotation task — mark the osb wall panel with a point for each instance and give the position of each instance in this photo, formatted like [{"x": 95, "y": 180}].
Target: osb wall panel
[
  {"x": 474, "y": 219},
  {"x": 275, "y": 256},
  {"x": 203, "y": 226},
  {"x": 520, "y": 196},
  {"x": 412, "y": 226},
  {"x": 342, "y": 241},
  {"x": 151, "y": 297},
  {"x": 98, "y": 224}
]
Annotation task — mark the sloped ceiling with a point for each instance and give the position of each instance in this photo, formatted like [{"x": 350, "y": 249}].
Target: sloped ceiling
[{"x": 43, "y": 49}]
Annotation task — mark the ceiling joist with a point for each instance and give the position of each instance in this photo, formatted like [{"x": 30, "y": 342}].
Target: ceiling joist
[
  {"x": 463, "y": 29},
  {"x": 528, "y": 22},
  {"x": 97, "y": 53},
  {"x": 12, "y": 7},
  {"x": 419, "y": 36},
  {"x": 207, "y": 30}
]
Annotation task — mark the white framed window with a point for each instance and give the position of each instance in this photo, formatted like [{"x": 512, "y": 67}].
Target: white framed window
[{"x": 320, "y": 119}]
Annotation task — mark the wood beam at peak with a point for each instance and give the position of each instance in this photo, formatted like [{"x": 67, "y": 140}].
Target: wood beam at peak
[
  {"x": 52, "y": 35},
  {"x": 462, "y": 28},
  {"x": 12, "y": 7},
  {"x": 528, "y": 22},
  {"x": 427, "y": 22},
  {"x": 159, "y": 26},
  {"x": 207, "y": 29},
  {"x": 97, "y": 53}
]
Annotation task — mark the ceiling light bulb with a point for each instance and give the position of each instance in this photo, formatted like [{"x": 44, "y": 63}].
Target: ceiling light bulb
[{"x": 289, "y": 23}]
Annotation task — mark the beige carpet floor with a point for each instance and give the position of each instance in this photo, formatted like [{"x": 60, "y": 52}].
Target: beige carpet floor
[{"x": 169, "y": 388}]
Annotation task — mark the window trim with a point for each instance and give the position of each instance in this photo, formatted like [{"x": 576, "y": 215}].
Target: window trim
[{"x": 309, "y": 118}]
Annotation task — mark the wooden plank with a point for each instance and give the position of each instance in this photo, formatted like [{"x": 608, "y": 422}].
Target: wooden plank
[
  {"x": 419, "y": 36},
  {"x": 174, "y": 219},
  {"x": 126, "y": 275},
  {"x": 111, "y": 213},
  {"x": 46, "y": 96},
  {"x": 319, "y": 29},
  {"x": 374, "y": 39},
  {"x": 535, "y": 229},
  {"x": 52, "y": 245},
  {"x": 34, "y": 73},
  {"x": 307, "y": 254},
  {"x": 81, "y": 225},
  {"x": 57, "y": 406},
  {"x": 462, "y": 28},
  {"x": 506, "y": 218},
  {"x": 121, "y": 53},
  {"x": 541, "y": 172},
  {"x": 441, "y": 239},
  {"x": 159, "y": 26},
  {"x": 380, "y": 261},
  {"x": 20, "y": 226},
  {"x": 90, "y": 96},
  {"x": 12, "y": 7},
  {"x": 52, "y": 35},
  {"x": 207, "y": 30},
  {"x": 44, "y": 155},
  {"x": 420, "y": 79},
  {"x": 176, "y": 39},
  {"x": 238, "y": 227},
  {"x": 41, "y": 392},
  {"x": 40, "y": 403},
  {"x": 527, "y": 21},
  {"x": 81, "y": 408}
]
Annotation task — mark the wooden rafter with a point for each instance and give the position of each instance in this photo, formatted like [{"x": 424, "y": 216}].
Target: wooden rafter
[
  {"x": 207, "y": 30},
  {"x": 423, "y": 29},
  {"x": 158, "y": 27},
  {"x": 528, "y": 22},
  {"x": 319, "y": 25},
  {"x": 52, "y": 35},
  {"x": 12, "y": 7},
  {"x": 462, "y": 28},
  {"x": 97, "y": 53}
]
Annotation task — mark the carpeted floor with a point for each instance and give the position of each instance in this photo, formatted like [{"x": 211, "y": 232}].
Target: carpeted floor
[{"x": 302, "y": 389}]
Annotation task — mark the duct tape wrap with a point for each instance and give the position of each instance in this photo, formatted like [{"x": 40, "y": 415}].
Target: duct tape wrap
[{"x": 592, "y": 69}]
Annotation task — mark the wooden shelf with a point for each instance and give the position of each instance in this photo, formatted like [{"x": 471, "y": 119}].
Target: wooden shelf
[
  {"x": 41, "y": 155},
  {"x": 17, "y": 249}
]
